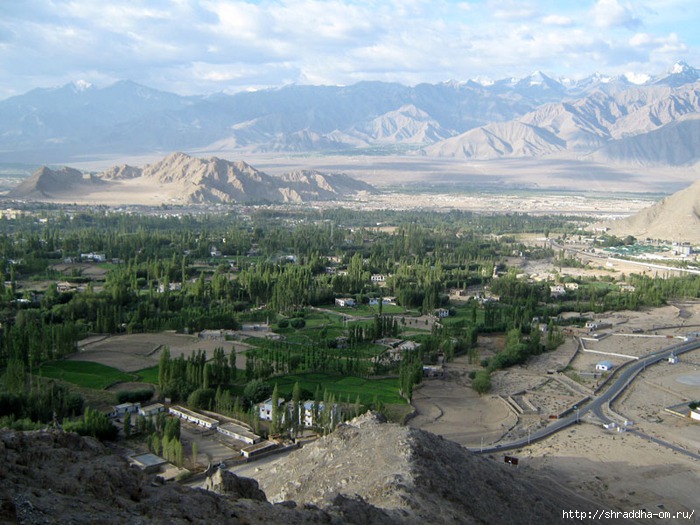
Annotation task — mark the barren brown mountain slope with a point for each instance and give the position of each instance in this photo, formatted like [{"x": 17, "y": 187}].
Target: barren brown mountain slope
[
  {"x": 56, "y": 477},
  {"x": 675, "y": 218},
  {"x": 422, "y": 476},
  {"x": 182, "y": 179},
  {"x": 366, "y": 472}
]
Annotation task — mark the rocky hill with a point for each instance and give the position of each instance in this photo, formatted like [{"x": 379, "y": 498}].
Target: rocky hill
[
  {"x": 417, "y": 475},
  {"x": 674, "y": 218},
  {"x": 56, "y": 477},
  {"x": 366, "y": 472},
  {"x": 182, "y": 179}
]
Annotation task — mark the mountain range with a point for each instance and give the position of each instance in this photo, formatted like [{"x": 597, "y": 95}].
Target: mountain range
[
  {"x": 600, "y": 118},
  {"x": 182, "y": 179}
]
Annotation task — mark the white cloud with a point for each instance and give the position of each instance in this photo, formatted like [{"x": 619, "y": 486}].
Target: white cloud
[
  {"x": 612, "y": 13},
  {"x": 557, "y": 20},
  {"x": 200, "y": 46}
]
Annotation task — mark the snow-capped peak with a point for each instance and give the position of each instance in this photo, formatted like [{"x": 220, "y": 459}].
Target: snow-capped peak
[
  {"x": 679, "y": 67},
  {"x": 483, "y": 81},
  {"x": 637, "y": 78},
  {"x": 537, "y": 78},
  {"x": 81, "y": 85}
]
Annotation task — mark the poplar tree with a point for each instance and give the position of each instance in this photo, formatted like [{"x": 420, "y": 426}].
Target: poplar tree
[
  {"x": 274, "y": 422},
  {"x": 296, "y": 409}
]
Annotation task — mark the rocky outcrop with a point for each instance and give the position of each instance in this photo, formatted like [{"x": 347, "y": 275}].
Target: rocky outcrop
[
  {"x": 414, "y": 475},
  {"x": 366, "y": 472},
  {"x": 220, "y": 481},
  {"x": 182, "y": 179},
  {"x": 46, "y": 183},
  {"x": 61, "y": 478}
]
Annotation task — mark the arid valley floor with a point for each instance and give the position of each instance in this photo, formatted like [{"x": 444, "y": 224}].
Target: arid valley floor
[{"x": 618, "y": 468}]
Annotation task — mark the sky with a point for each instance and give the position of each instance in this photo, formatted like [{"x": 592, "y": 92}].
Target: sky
[{"x": 208, "y": 46}]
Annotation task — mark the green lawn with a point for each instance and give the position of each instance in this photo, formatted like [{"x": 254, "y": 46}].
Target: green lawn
[
  {"x": 385, "y": 390},
  {"x": 464, "y": 314},
  {"x": 320, "y": 319},
  {"x": 149, "y": 375},
  {"x": 84, "y": 373}
]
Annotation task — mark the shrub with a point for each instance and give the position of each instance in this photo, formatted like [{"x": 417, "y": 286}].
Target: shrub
[
  {"x": 482, "y": 382},
  {"x": 135, "y": 396},
  {"x": 256, "y": 391},
  {"x": 202, "y": 398},
  {"x": 95, "y": 424}
]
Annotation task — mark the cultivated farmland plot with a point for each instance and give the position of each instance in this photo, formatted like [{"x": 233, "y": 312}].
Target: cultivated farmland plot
[{"x": 133, "y": 352}]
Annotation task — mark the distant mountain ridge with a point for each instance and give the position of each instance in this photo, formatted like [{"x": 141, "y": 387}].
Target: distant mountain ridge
[
  {"x": 530, "y": 117},
  {"x": 182, "y": 179}
]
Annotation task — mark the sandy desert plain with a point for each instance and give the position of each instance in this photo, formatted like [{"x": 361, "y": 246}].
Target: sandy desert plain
[{"x": 616, "y": 468}]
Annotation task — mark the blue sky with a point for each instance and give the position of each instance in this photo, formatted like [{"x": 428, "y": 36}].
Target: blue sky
[{"x": 207, "y": 46}]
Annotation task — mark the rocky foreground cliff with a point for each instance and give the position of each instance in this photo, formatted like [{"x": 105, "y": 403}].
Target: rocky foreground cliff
[{"x": 367, "y": 472}]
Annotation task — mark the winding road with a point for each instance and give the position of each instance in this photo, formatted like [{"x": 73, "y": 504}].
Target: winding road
[{"x": 624, "y": 377}]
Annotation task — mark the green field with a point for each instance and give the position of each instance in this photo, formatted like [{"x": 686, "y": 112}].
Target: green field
[
  {"x": 84, "y": 373},
  {"x": 463, "y": 314},
  {"x": 149, "y": 375},
  {"x": 385, "y": 390}
]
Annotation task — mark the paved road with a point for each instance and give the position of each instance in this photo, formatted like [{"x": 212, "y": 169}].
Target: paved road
[
  {"x": 624, "y": 377},
  {"x": 554, "y": 245},
  {"x": 666, "y": 444}
]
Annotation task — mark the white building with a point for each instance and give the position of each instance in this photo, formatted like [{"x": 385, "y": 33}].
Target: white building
[
  {"x": 193, "y": 417},
  {"x": 92, "y": 256},
  {"x": 265, "y": 408},
  {"x": 345, "y": 301},
  {"x": 171, "y": 287},
  {"x": 378, "y": 278},
  {"x": 125, "y": 408},
  {"x": 557, "y": 290},
  {"x": 407, "y": 346},
  {"x": 604, "y": 366},
  {"x": 597, "y": 325},
  {"x": 307, "y": 415},
  {"x": 238, "y": 432},
  {"x": 152, "y": 410}
]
